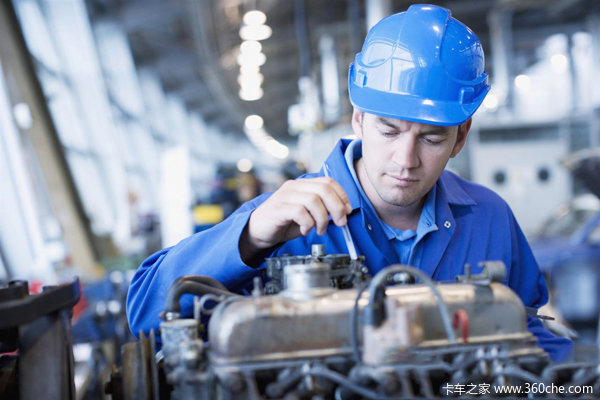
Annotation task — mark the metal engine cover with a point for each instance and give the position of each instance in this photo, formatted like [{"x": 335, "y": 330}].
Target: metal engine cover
[{"x": 288, "y": 326}]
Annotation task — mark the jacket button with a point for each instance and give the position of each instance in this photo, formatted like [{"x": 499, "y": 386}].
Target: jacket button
[
  {"x": 369, "y": 227},
  {"x": 447, "y": 224}
]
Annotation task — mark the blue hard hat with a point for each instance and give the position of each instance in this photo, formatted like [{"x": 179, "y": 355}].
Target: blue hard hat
[{"x": 420, "y": 65}]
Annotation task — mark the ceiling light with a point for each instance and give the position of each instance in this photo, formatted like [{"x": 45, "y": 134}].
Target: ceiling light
[
  {"x": 251, "y": 59},
  {"x": 250, "y": 47},
  {"x": 257, "y": 136},
  {"x": 522, "y": 82},
  {"x": 255, "y": 17},
  {"x": 244, "y": 165},
  {"x": 255, "y": 32},
  {"x": 22, "y": 114},
  {"x": 253, "y": 122},
  {"x": 250, "y": 94},
  {"x": 276, "y": 149},
  {"x": 248, "y": 69},
  {"x": 250, "y": 80},
  {"x": 491, "y": 102}
]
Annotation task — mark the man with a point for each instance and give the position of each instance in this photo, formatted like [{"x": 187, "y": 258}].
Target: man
[{"x": 414, "y": 87}]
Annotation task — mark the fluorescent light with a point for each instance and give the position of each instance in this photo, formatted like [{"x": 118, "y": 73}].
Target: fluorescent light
[
  {"x": 244, "y": 165},
  {"x": 250, "y": 94},
  {"x": 255, "y": 32},
  {"x": 251, "y": 59},
  {"x": 250, "y": 80},
  {"x": 255, "y": 17},
  {"x": 250, "y": 47},
  {"x": 249, "y": 69},
  {"x": 253, "y": 122},
  {"x": 253, "y": 127},
  {"x": 276, "y": 149}
]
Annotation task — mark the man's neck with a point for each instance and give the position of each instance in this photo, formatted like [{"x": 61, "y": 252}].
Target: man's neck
[{"x": 399, "y": 217}]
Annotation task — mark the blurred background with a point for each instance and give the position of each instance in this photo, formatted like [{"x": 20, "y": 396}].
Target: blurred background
[{"x": 127, "y": 125}]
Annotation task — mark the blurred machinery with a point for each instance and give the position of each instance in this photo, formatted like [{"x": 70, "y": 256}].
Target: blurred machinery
[
  {"x": 36, "y": 358},
  {"x": 520, "y": 163},
  {"x": 206, "y": 216},
  {"x": 326, "y": 330},
  {"x": 568, "y": 250},
  {"x": 99, "y": 330},
  {"x": 224, "y": 190}
]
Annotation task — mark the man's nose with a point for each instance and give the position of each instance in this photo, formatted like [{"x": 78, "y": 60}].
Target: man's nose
[{"x": 405, "y": 152}]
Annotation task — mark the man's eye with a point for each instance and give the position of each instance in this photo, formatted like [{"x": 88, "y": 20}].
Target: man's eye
[
  {"x": 432, "y": 141},
  {"x": 388, "y": 133}
]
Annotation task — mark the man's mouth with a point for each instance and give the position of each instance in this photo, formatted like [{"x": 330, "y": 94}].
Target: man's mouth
[{"x": 403, "y": 181}]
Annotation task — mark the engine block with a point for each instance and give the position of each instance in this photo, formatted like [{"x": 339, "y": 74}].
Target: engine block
[{"x": 326, "y": 330}]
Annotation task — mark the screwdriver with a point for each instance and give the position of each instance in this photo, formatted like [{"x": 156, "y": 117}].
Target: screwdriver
[{"x": 345, "y": 230}]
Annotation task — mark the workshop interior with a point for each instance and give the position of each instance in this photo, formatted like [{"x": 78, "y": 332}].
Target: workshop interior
[{"x": 128, "y": 125}]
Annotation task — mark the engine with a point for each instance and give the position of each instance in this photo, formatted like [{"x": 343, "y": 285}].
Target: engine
[{"x": 327, "y": 330}]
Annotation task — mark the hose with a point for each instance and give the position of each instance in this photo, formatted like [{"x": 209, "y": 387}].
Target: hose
[
  {"x": 192, "y": 284},
  {"x": 203, "y": 279}
]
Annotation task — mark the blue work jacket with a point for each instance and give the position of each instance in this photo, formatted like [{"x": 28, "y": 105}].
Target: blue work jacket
[{"x": 474, "y": 225}]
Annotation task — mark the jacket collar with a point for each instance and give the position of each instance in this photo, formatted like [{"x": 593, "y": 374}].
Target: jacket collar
[{"x": 453, "y": 192}]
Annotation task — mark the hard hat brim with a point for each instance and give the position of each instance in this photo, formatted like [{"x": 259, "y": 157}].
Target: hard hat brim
[{"x": 412, "y": 108}]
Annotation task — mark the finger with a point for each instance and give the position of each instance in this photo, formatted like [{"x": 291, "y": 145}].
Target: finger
[
  {"x": 335, "y": 186},
  {"x": 313, "y": 203},
  {"x": 299, "y": 215},
  {"x": 332, "y": 195},
  {"x": 342, "y": 194}
]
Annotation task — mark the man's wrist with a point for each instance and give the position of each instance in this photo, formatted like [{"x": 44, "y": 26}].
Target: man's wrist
[{"x": 252, "y": 252}]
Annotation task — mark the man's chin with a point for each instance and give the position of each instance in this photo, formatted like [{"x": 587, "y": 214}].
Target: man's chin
[{"x": 401, "y": 201}]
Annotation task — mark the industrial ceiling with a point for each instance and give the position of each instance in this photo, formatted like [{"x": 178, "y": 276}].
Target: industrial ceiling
[{"x": 192, "y": 45}]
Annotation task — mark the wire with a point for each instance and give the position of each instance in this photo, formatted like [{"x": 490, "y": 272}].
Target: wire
[{"x": 380, "y": 279}]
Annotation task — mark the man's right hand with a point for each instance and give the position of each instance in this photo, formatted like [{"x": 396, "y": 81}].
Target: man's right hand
[{"x": 293, "y": 210}]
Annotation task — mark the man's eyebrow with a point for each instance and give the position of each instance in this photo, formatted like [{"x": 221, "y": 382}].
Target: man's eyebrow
[
  {"x": 384, "y": 121},
  {"x": 440, "y": 132}
]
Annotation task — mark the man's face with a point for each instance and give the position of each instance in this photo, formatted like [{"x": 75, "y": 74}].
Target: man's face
[{"x": 402, "y": 160}]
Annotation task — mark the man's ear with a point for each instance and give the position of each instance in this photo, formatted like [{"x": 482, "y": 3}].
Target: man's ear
[
  {"x": 461, "y": 137},
  {"x": 357, "y": 120}
]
